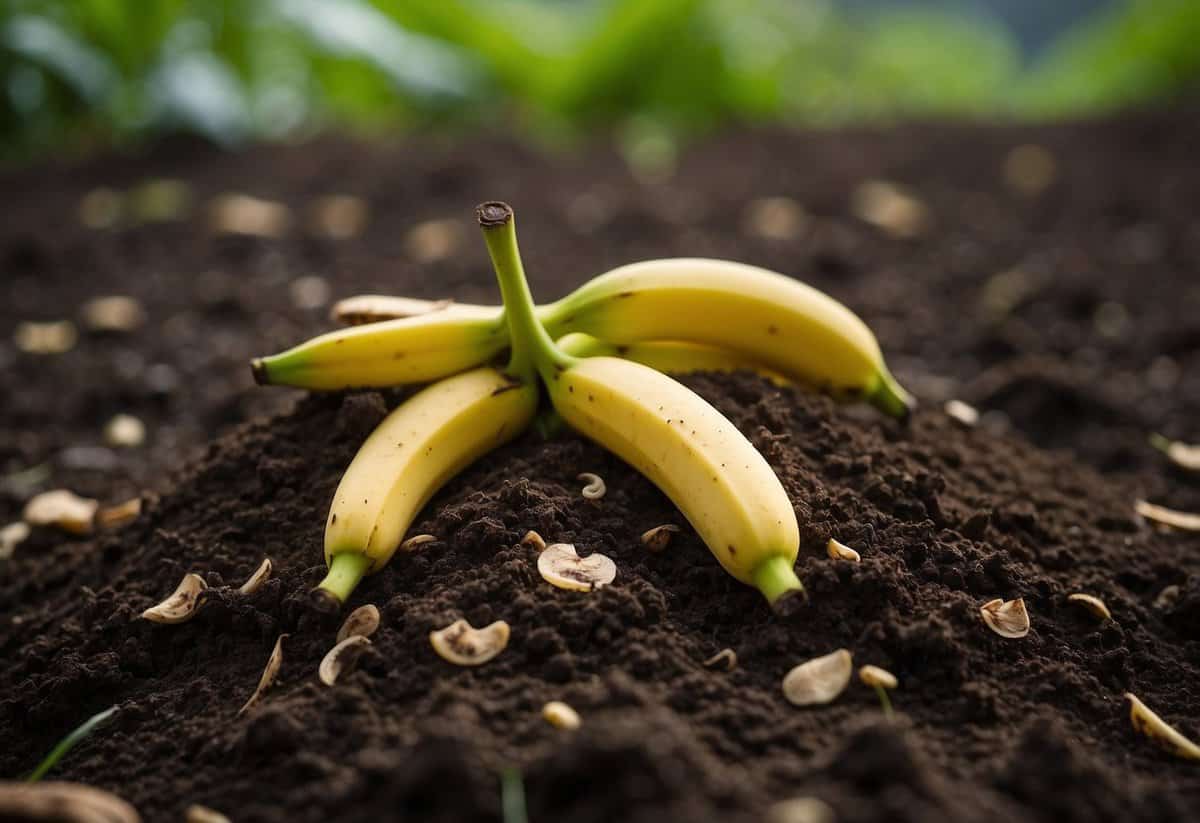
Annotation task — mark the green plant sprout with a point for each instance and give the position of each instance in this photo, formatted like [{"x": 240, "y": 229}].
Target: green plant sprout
[
  {"x": 512, "y": 796},
  {"x": 69, "y": 742}
]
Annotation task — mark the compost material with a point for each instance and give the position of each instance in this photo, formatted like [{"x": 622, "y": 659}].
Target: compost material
[{"x": 1070, "y": 319}]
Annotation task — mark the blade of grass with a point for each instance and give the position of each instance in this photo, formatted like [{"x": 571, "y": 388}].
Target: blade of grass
[
  {"x": 67, "y": 743},
  {"x": 512, "y": 797}
]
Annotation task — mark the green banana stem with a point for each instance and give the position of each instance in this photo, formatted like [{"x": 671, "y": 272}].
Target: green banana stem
[
  {"x": 776, "y": 579},
  {"x": 891, "y": 398},
  {"x": 533, "y": 349},
  {"x": 345, "y": 571}
]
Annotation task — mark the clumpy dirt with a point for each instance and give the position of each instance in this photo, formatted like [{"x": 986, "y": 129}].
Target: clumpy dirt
[{"x": 1093, "y": 344}]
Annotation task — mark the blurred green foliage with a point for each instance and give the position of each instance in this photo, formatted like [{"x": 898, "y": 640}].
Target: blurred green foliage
[{"x": 81, "y": 72}]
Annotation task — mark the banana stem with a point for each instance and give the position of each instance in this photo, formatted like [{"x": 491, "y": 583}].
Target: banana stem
[
  {"x": 532, "y": 348},
  {"x": 777, "y": 580},
  {"x": 345, "y": 571},
  {"x": 891, "y": 398}
]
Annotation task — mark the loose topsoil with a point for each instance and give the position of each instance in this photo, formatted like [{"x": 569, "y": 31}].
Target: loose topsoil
[{"x": 1070, "y": 318}]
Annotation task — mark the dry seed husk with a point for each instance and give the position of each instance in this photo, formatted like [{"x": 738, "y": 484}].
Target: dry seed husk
[
  {"x": 64, "y": 509},
  {"x": 595, "y": 488},
  {"x": 725, "y": 659},
  {"x": 819, "y": 680},
  {"x": 658, "y": 538},
  {"x": 261, "y": 575},
  {"x": 341, "y": 658},
  {"x": 1167, "y": 597},
  {"x": 11, "y": 536},
  {"x": 1151, "y": 725},
  {"x": 413, "y": 542},
  {"x": 125, "y": 431},
  {"x": 890, "y": 208},
  {"x": 1186, "y": 521},
  {"x": 963, "y": 413},
  {"x": 534, "y": 539},
  {"x": 362, "y": 622},
  {"x": 268, "y": 675},
  {"x": 840, "y": 551},
  {"x": 560, "y": 565},
  {"x": 203, "y": 814},
  {"x": 243, "y": 214},
  {"x": 1092, "y": 603},
  {"x": 874, "y": 676},
  {"x": 463, "y": 645},
  {"x": 182, "y": 604},
  {"x": 54, "y": 337},
  {"x": 120, "y": 515},
  {"x": 1007, "y": 618},
  {"x": 560, "y": 715},
  {"x": 114, "y": 313},
  {"x": 58, "y": 801},
  {"x": 801, "y": 810}
]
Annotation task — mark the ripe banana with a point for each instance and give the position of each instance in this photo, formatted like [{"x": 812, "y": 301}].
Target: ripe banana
[
  {"x": 668, "y": 356},
  {"x": 418, "y": 447},
  {"x": 686, "y": 447},
  {"x": 770, "y": 320}
]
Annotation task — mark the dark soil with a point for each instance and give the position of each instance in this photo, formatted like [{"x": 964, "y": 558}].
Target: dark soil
[{"x": 1098, "y": 346}]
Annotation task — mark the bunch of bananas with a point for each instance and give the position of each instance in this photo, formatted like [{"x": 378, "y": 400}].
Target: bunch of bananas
[{"x": 616, "y": 335}]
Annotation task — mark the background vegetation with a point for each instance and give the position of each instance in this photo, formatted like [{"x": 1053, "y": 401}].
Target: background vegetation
[{"x": 80, "y": 72}]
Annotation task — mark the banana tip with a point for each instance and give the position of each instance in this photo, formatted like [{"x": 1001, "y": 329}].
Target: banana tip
[
  {"x": 493, "y": 214},
  {"x": 790, "y": 603},
  {"x": 259, "y": 369},
  {"x": 322, "y": 601}
]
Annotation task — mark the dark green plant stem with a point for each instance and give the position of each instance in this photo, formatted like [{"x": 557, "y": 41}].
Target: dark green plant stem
[
  {"x": 67, "y": 743},
  {"x": 512, "y": 797}
]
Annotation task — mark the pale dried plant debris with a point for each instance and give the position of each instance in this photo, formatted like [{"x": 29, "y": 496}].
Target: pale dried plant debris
[
  {"x": 203, "y": 814},
  {"x": 774, "y": 218},
  {"x": 433, "y": 240},
  {"x": 101, "y": 208},
  {"x": 120, "y": 515},
  {"x": 875, "y": 677},
  {"x": 341, "y": 658},
  {"x": 963, "y": 413},
  {"x": 243, "y": 214},
  {"x": 534, "y": 540},
  {"x": 889, "y": 207},
  {"x": 11, "y": 536},
  {"x": 1029, "y": 169},
  {"x": 53, "y": 337},
  {"x": 801, "y": 810},
  {"x": 183, "y": 603},
  {"x": 560, "y": 715},
  {"x": 63, "y": 509},
  {"x": 819, "y": 680},
  {"x": 658, "y": 538},
  {"x": 1092, "y": 603},
  {"x": 1185, "y": 521},
  {"x": 274, "y": 662},
  {"x": 125, "y": 431},
  {"x": 113, "y": 313},
  {"x": 1167, "y": 597},
  {"x": 261, "y": 575},
  {"x": 340, "y": 216},
  {"x": 1007, "y": 618},
  {"x": 560, "y": 565},
  {"x": 595, "y": 488},
  {"x": 726, "y": 660},
  {"x": 840, "y": 551},
  {"x": 463, "y": 645},
  {"x": 362, "y": 622},
  {"x": 1183, "y": 455},
  {"x": 1151, "y": 725},
  {"x": 309, "y": 292},
  {"x": 58, "y": 800},
  {"x": 412, "y": 543}
]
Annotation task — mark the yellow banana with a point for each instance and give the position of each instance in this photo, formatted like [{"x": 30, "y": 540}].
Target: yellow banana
[
  {"x": 669, "y": 356},
  {"x": 770, "y": 320},
  {"x": 696, "y": 456},
  {"x": 424, "y": 442}
]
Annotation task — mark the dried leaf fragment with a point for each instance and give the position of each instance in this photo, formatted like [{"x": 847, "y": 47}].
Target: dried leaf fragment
[
  {"x": 840, "y": 551},
  {"x": 963, "y": 413},
  {"x": 463, "y": 645},
  {"x": 341, "y": 658},
  {"x": 560, "y": 715},
  {"x": 533, "y": 539},
  {"x": 416, "y": 540},
  {"x": 243, "y": 214},
  {"x": 362, "y": 622},
  {"x": 595, "y": 488},
  {"x": 56, "y": 801},
  {"x": 1007, "y": 618},
  {"x": 64, "y": 509},
  {"x": 876, "y": 677},
  {"x": 1168, "y": 517},
  {"x": 560, "y": 565},
  {"x": 725, "y": 659},
  {"x": 11, "y": 536},
  {"x": 268, "y": 675},
  {"x": 182, "y": 604},
  {"x": 819, "y": 680},
  {"x": 120, "y": 515},
  {"x": 203, "y": 814},
  {"x": 261, "y": 575},
  {"x": 53, "y": 337},
  {"x": 1184, "y": 455},
  {"x": 1151, "y": 725},
  {"x": 658, "y": 538},
  {"x": 1092, "y": 603}
]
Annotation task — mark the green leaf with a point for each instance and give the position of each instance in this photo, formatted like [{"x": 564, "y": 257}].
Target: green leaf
[{"x": 67, "y": 743}]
